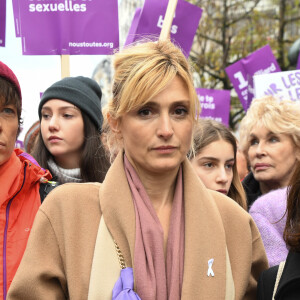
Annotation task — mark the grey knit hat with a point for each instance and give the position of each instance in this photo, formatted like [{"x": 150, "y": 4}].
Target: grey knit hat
[{"x": 83, "y": 92}]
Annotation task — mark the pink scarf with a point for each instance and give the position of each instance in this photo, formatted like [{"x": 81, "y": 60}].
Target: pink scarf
[{"x": 156, "y": 278}]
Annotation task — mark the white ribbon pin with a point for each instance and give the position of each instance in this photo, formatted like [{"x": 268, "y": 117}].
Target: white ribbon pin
[{"x": 210, "y": 271}]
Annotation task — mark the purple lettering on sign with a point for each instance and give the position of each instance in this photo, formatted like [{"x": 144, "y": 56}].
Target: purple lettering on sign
[
  {"x": 241, "y": 73},
  {"x": 73, "y": 27},
  {"x": 215, "y": 104},
  {"x": 183, "y": 29},
  {"x": 2, "y": 22}
]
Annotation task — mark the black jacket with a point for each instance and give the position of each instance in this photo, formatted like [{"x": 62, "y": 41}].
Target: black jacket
[
  {"x": 289, "y": 284},
  {"x": 252, "y": 189},
  {"x": 46, "y": 188}
]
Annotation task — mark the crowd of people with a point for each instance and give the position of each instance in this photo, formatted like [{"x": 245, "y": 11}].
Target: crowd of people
[{"x": 142, "y": 199}]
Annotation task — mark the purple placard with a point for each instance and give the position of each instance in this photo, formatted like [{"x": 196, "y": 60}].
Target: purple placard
[
  {"x": 241, "y": 73},
  {"x": 134, "y": 24},
  {"x": 16, "y": 11},
  {"x": 19, "y": 144},
  {"x": 75, "y": 27},
  {"x": 183, "y": 29},
  {"x": 298, "y": 62},
  {"x": 215, "y": 104},
  {"x": 2, "y": 22}
]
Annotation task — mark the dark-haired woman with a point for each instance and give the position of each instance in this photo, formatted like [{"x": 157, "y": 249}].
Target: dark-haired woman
[
  {"x": 214, "y": 159},
  {"x": 283, "y": 281},
  {"x": 69, "y": 143}
]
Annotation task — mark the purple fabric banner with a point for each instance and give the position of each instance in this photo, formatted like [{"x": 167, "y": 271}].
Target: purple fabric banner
[
  {"x": 2, "y": 22},
  {"x": 241, "y": 73},
  {"x": 184, "y": 27},
  {"x": 215, "y": 104},
  {"x": 16, "y": 11},
  {"x": 76, "y": 27}
]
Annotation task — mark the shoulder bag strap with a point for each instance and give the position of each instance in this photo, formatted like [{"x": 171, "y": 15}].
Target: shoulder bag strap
[{"x": 279, "y": 273}]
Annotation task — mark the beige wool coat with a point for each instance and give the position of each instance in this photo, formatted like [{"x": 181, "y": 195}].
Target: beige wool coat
[{"x": 60, "y": 253}]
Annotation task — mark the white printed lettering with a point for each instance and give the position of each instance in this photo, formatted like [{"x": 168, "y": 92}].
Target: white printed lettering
[
  {"x": 242, "y": 82},
  {"x": 161, "y": 22},
  {"x": 76, "y": 7},
  {"x": 60, "y": 7},
  {"x": 31, "y": 7},
  {"x": 46, "y": 7},
  {"x": 174, "y": 29},
  {"x": 67, "y": 6},
  {"x": 39, "y": 7}
]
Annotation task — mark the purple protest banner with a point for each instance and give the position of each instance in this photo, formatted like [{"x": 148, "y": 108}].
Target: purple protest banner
[
  {"x": 74, "y": 27},
  {"x": 19, "y": 144},
  {"x": 2, "y": 22},
  {"x": 298, "y": 62},
  {"x": 241, "y": 73},
  {"x": 134, "y": 24},
  {"x": 215, "y": 104},
  {"x": 16, "y": 11},
  {"x": 184, "y": 27}
]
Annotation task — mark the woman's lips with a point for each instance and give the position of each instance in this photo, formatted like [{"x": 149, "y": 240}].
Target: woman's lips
[
  {"x": 222, "y": 191},
  {"x": 54, "y": 139},
  {"x": 261, "y": 167},
  {"x": 165, "y": 149}
]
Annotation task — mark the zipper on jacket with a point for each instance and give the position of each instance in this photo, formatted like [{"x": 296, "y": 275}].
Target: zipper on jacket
[{"x": 5, "y": 237}]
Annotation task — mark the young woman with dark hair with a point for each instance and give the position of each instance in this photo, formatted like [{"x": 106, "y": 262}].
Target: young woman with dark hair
[
  {"x": 213, "y": 157},
  {"x": 69, "y": 142}
]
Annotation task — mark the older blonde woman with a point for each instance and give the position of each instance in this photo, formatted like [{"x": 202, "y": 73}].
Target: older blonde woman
[
  {"x": 174, "y": 238},
  {"x": 270, "y": 138}
]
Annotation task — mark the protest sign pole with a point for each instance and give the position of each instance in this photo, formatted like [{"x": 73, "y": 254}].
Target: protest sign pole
[
  {"x": 65, "y": 65},
  {"x": 165, "y": 31}
]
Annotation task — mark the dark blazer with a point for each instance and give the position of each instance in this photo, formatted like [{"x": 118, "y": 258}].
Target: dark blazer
[{"x": 289, "y": 284}]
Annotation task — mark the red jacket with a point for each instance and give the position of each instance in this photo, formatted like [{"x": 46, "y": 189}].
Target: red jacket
[{"x": 19, "y": 201}]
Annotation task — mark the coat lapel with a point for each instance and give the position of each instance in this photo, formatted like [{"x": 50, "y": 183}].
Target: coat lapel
[
  {"x": 118, "y": 209},
  {"x": 204, "y": 241},
  {"x": 105, "y": 268}
]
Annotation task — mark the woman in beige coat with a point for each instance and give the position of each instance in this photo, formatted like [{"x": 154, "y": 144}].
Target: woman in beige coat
[{"x": 152, "y": 215}]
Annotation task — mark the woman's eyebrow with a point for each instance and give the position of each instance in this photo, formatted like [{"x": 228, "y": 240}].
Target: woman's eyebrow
[
  {"x": 61, "y": 107},
  {"x": 230, "y": 160},
  {"x": 209, "y": 158}
]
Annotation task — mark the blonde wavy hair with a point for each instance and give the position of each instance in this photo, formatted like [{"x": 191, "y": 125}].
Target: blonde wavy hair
[
  {"x": 141, "y": 72},
  {"x": 278, "y": 116}
]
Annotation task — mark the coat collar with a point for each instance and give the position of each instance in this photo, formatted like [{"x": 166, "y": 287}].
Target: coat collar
[{"x": 204, "y": 232}]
